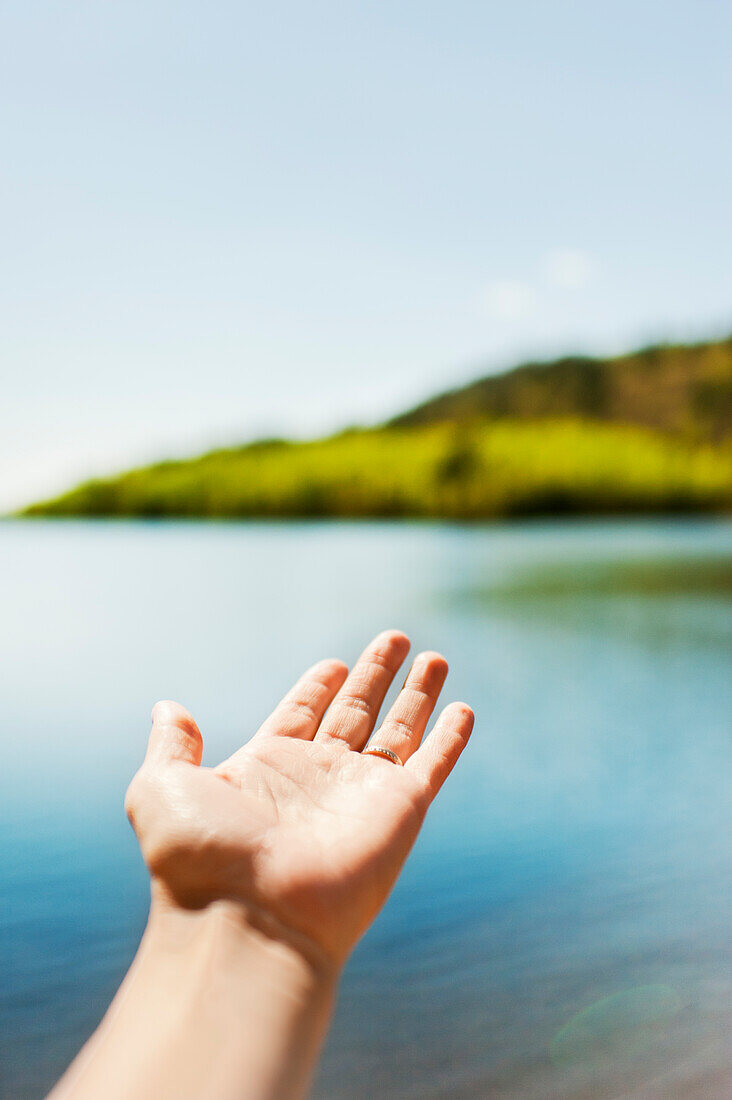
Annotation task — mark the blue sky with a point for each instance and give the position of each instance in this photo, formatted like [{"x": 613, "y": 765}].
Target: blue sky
[{"x": 221, "y": 220}]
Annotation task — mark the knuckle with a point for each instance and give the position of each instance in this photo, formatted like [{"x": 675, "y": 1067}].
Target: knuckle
[
  {"x": 316, "y": 686},
  {"x": 301, "y": 710},
  {"x": 414, "y": 698},
  {"x": 354, "y": 701},
  {"x": 402, "y": 727},
  {"x": 380, "y": 659}
]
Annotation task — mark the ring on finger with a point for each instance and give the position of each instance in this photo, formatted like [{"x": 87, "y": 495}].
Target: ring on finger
[{"x": 381, "y": 750}]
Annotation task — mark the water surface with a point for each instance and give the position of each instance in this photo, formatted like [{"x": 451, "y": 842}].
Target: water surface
[{"x": 563, "y": 929}]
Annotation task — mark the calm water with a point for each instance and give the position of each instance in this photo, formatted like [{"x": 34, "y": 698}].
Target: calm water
[{"x": 564, "y": 926}]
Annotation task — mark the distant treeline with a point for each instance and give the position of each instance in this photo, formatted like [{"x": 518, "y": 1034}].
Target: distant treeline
[
  {"x": 680, "y": 388},
  {"x": 648, "y": 433}
]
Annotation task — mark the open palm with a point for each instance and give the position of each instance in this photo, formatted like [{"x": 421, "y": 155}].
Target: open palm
[{"x": 300, "y": 825}]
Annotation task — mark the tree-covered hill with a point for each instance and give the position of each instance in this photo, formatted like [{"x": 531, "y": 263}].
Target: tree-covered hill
[
  {"x": 682, "y": 388},
  {"x": 643, "y": 433}
]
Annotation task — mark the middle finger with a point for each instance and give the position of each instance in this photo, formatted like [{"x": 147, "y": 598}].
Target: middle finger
[{"x": 353, "y": 712}]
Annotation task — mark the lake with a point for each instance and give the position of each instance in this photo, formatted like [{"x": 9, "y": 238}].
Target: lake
[{"x": 563, "y": 929}]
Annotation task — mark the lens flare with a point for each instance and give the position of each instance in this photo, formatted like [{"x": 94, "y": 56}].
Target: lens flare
[{"x": 616, "y": 1029}]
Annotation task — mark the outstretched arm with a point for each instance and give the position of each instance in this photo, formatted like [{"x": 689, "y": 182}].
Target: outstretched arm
[{"x": 265, "y": 871}]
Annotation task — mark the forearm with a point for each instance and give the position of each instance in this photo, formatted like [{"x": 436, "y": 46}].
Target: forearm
[
  {"x": 215, "y": 1005},
  {"x": 222, "y": 1003}
]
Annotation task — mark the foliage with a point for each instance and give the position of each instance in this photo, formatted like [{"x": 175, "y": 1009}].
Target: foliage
[
  {"x": 680, "y": 388},
  {"x": 473, "y": 470}
]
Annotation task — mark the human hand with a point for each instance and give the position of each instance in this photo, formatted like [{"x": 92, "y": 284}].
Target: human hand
[{"x": 300, "y": 827}]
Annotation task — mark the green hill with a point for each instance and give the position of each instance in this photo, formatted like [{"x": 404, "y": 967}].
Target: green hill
[
  {"x": 642, "y": 433},
  {"x": 684, "y": 388}
]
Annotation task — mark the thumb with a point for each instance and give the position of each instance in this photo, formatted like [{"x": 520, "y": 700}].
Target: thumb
[{"x": 174, "y": 735}]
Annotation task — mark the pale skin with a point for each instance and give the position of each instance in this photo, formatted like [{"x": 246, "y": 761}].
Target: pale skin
[{"x": 265, "y": 871}]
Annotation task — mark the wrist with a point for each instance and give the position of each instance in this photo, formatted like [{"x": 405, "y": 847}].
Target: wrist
[
  {"x": 254, "y": 999},
  {"x": 239, "y": 941}
]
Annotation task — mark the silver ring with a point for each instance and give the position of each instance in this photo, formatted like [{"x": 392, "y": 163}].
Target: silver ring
[{"x": 379, "y": 750}]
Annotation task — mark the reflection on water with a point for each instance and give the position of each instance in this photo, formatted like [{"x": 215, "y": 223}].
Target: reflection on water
[
  {"x": 650, "y": 599},
  {"x": 562, "y": 929},
  {"x": 611, "y": 577}
]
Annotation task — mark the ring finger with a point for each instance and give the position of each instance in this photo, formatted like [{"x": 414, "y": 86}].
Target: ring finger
[{"x": 402, "y": 729}]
